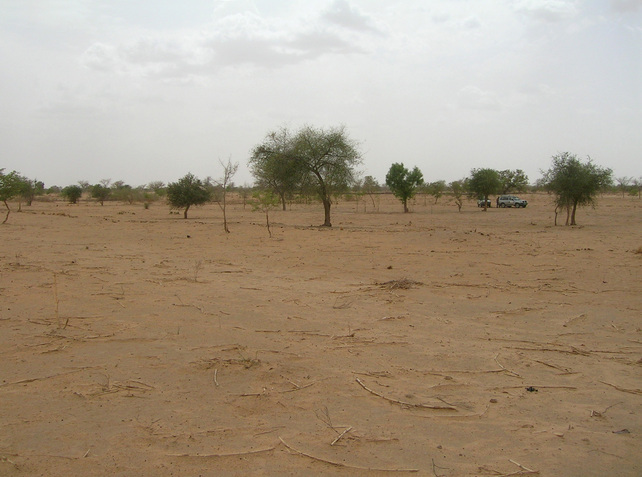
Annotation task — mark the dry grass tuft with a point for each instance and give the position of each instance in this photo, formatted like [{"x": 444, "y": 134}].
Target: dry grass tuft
[
  {"x": 404, "y": 284},
  {"x": 639, "y": 250}
]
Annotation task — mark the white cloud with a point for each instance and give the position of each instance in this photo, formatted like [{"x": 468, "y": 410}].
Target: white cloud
[
  {"x": 344, "y": 14},
  {"x": 626, "y": 6},
  {"x": 549, "y": 11},
  {"x": 472, "y": 97},
  {"x": 236, "y": 39}
]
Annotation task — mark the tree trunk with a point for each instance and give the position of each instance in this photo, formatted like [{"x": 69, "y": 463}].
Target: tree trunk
[
  {"x": 568, "y": 214},
  {"x": 326, "y": 208},
  {"x": 185, "y": 213},
  {"x": 573, "y": 214},
  {"x": 8, "y": 212},
  {"x": 282, "y": 195},
  {"x": 405, "y": 206},
  {"x": 267, "y": 222}
]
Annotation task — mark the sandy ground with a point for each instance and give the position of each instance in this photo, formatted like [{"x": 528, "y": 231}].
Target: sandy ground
[{"x": 436, "y": 343}]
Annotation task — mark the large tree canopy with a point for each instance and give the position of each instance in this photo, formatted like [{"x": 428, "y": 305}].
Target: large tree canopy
[
  {"x": 484, "y": 182},
  {"x": 575, "y": 183},
  {"x": 186, "y": 192},
  {"x": 316, "y": 158},
  {"x": 403, "y": 183},
  {"x": 274, "y": 167},
  {"x": 513, "y": 181}
]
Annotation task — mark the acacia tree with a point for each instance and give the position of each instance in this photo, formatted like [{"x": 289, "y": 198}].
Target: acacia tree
[
  {"x": 513, "y": 181},
  {"x": 186, "y": 192},
  {"x": 100, "y": 192},
  {"x": 274, "y": 166},
  {"x": 436, "y": 189},
  {"x": 370, "y": 186},
  {"x": 482, "y": 183},
  {"x": 458, "y": 188},
  {"x": 403, "y": 183},
  {"x": 575, "y": 183},
  {"x": 623, "y": 183},
  {"x": 328, "y": 160},
  {"x": 9, "y": 187},
  {"x": 72, "y": 193},
  {"x": 320, "y": 161}
]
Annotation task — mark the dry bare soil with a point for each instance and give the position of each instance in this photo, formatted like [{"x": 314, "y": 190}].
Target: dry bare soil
[{"x": 437, "y": 343}]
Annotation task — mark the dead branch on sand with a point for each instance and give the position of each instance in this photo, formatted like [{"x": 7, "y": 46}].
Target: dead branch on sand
[
  {"x": 31, "y": 380},
  {"x": 403, "y": 403},
  {"x": 624, "y": 390},
  {"x": 227, "y": 454},
  {"x": 511, "y": 373},
  {"x": 341, "y": 464}
]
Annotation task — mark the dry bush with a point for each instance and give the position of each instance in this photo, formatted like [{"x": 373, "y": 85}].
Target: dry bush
[{"x": 404, "y": 284}]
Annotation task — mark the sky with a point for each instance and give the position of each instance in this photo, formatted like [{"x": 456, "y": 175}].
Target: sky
[{"x": 149, "y": 90}]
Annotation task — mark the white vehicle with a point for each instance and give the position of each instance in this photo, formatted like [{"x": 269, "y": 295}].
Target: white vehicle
[{"x": 511, "y": 201}]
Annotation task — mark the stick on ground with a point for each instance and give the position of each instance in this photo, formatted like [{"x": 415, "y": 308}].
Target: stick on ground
[
  {"x": 406, "y": 404},
  {"x": 341, "y": 464}
]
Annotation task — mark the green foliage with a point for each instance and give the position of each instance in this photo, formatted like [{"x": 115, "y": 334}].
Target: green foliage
[
  {"x": 403, "y": 183},
  {"x": 458, "y": 189},
  {"x": 72, "y": 193},
  {"x": 126, "y": 193},
  {"x": 186, "y": 192},
  {"x": 29, "y": 189},
  {"x": 370, "y": 186},
  {"x": 312, "y": 159},
  {"x": 484, "y": 182},
  {"x": 9, "y": 187},
  {"x": 158, "y": 187},
  {"x": 436, "y": 189},
  {"x": 265, "y": 200},
  {"x": 100, "y": 193},
  {"x": 575, "y": 183},
  {"x": 274, "y": 165},
  {"x": 513, "y": 181}
]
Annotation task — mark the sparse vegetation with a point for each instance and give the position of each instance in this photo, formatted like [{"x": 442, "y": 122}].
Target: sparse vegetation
[
  {"x": 403, "y": 183},
  {"x": 314, "y": 159},
  {"x": 265, "y": 201},
  {"x": 72, "y": 193},
  {"x": 574, "y": 183},
  {"x": 224, "y": 183},
  {"x": 482, "y": 183},
  {"x": 9, "y": 188},
  {"x": 187, "y": 192}
]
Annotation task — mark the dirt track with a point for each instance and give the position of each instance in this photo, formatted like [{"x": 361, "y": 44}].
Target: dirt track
[{"x": 138, "y": 343}]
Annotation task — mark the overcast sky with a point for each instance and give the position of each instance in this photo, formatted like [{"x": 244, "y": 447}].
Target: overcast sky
[{"x": 143, "y": 90}]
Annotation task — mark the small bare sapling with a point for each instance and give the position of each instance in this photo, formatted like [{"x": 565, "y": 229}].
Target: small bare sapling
[{"x": 265, "y": 200}]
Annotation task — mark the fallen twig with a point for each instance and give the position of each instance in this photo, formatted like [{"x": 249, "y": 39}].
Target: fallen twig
[
  {"x": 512, "y": 373},
  {"x": 31, "y": 380},
  {"x": 297, "y": 388},
  {"x": 403, "y": 403},
  {"x": 624, "y": 390},
  {"x": 341, "y": 464},
  {"x": 341, "y": 435},
  {"x": 530, "y": 471},
  {"x": 228, "y": 454}
]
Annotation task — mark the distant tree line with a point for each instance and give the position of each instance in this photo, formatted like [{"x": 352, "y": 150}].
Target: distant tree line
[{"x": 294, "y": 165}]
